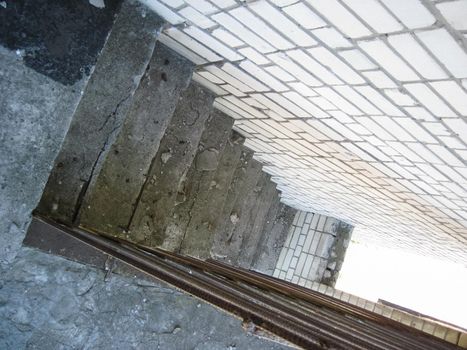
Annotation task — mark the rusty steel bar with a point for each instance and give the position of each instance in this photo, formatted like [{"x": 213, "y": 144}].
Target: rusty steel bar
[
  {"x": 358, "y": 335},
  {"x": 301, "y": 320},
  {"x": 302, "y": 293},
  {"x": 383, "y": 327}
]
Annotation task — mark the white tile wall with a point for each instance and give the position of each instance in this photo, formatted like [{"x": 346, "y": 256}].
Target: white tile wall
[
  {"x": 306, "y": 251},
  {"x": 358, "y": 107},
  {"x": 455, "y": 13}
]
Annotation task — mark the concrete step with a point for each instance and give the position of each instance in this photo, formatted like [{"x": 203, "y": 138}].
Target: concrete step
[
  {"x": 267, "y": 227},
  {"x": 225, "y": 244},
  {"x": 238, "y": 179},
  {"x": 103, "y": 106},
  {"x": 170, "y": 165},
  {"x": 274, "y": 237},
  {"x": 253, "y": 232},
  {"x": 242, "y": 218},
  {"x": 198, "y": 178},
  {"x": 209, "y": 204},
  {"x": 109, "y": 205},
  {"x": 148, "y": 159}
]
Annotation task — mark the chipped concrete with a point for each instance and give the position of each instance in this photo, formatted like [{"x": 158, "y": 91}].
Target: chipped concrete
[
  {"x": 238, "y": 178},
  {"x": 198, "y": 177},
  {"x": 171, "y": 163},
  {"x": 35, "y": 113},
  {"x": 246, "y": 209},
  {"x": 40, "y": 87},
  {"x": 210, "y": 203},
  {"x": 343, "y": 233},
  {"x": 254, "y": 230},
  {"x": 267, "y": 255},
  {"x": 48, "y": 302},
  {"x": 112, "y": 200},
  {"x": 266, "y": 230},
  {"x": 101, "y": 111},
  {"x": 225, "y": 244}
]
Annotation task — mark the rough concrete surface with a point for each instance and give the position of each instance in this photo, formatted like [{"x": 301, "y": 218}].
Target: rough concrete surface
[
  {"x": 112, "y": 200},
  {"x": 268, "y": 255},
  {"x": 101, "y": 110},
  {"x": 209, "y": 204},
  {"x": 198, "y": 178},
  {"x": 342, "y": 233},
  {"x": 244, "y": 215},
  {"x": 399, "y": 165},
  {"x": 35, "y": 112},
  {"x": 254, "y": 231},
  {"x": 48, "y": 302},
  {"x": 170, "y": 165},
  {"x": 267, "y": 228},
  {"x": 59, "y": 39},
  {"x": 244, "y": 181}
]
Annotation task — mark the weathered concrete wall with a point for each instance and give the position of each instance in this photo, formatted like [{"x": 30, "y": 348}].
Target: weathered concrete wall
[
  {"x": 47, "y": 302},
  {"x": 267, "y": 229},
  {"x": 243, "y": 217},
  {"x": 253, "y": 232},
  {"x": 238, "y": 178},
  {"x": 34, "y": 116},
  {"x": 342, "y": 233},
  {"x": 45, "y": 63}
]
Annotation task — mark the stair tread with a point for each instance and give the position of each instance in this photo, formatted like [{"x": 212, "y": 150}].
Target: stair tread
[
  {"x": 209, "y": 205},
  {"x": 266, "y": 229},
  {"x": 112, "y": 199},
  {"x": 101, "y": 110},
  {"x": 198, "y": 177},
  {"x": 267, "y": 257},
  {"x": 252, "y": 234},
  {"x": 174, "y": 157}
]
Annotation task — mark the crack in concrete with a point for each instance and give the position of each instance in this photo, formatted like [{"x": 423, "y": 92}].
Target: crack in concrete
[
  {"x": 114, "y": 113},
  {"x": 141, "y": 191},
  {"x": 192, "y": 204},
  {"x": 85, "y": 186}
]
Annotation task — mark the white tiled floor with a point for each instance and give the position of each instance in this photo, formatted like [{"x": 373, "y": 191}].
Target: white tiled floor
[{"x": 358, "y": 107}]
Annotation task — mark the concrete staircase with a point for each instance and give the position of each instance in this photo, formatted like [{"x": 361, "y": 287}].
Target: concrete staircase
[{"x": 148, "y": 159}]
